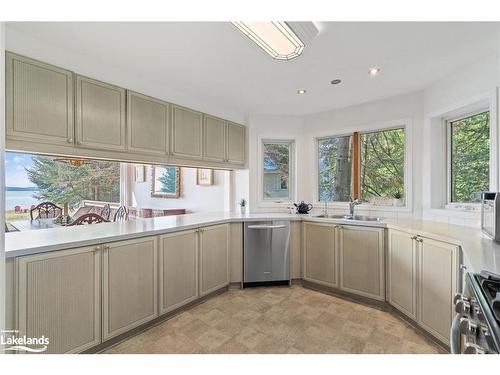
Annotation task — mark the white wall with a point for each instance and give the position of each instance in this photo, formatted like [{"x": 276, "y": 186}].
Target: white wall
[
  {"x": 373, "y": 115},
  {"x": 194, "y": 198},
  {"x": 2, "y": 177}
]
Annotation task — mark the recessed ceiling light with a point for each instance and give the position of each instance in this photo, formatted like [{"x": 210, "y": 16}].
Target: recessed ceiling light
[
  {"x": 335, "y": 81},
  {"x": 374, "y": 71},
  {"x": 301, "y": 92},
  {"x": 277, "y": 38}
]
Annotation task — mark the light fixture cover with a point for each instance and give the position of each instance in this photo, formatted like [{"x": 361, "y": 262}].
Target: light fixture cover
[{"x": 276, "y": 37}]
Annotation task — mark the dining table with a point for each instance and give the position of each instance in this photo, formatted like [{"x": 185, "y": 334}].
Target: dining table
[{"x": 35, "y": 224}]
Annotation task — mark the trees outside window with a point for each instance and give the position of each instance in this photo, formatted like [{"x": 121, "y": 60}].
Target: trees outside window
[
  {"x": 276, "y": 170},
  {"x": 469, "y": 151},
  {"x": 334, "y": 168}
]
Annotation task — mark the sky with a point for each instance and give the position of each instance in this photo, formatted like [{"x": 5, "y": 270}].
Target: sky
[{"x": 15, "y": 174}]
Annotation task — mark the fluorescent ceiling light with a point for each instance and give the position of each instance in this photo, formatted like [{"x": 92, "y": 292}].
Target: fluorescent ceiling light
[{"x": 274, "y": 37}]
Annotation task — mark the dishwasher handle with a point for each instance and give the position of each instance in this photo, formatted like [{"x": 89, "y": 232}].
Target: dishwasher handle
[{"x": 266, "y": 226}]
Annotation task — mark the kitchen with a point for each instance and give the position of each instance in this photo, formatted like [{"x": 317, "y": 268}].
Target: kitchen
[{"x": 349, "y": 210}]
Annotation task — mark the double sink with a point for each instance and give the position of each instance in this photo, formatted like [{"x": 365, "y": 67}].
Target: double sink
[{"x": 350, "y": 217}]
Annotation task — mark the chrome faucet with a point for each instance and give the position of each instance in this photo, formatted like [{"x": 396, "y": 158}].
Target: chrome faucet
[
  {"x": 352, "y": 204},
  {"x": 325, "y": 210}
]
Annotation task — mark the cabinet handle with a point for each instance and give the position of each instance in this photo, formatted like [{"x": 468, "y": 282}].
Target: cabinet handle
[
  {"x": 70, "y": 140},
  {"x": 420, "y": 239},
  {"x": 97, "y": 248},
  {"x": 414, "y": 237},
  {"x": 106, "y": 247}
]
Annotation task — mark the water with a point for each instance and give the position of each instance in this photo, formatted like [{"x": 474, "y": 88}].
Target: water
[{"x": 20, "y": 198}]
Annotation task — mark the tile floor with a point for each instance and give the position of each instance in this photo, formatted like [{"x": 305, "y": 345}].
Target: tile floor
[{"x": 279, "y": 320}]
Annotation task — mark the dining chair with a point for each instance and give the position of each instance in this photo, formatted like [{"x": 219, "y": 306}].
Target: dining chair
[
  {"x": 106, "y": 211},
  {"x": 46, "y": 210},
  {"x": 90, "y": 218},
  {"x": 121, "y": 214}
]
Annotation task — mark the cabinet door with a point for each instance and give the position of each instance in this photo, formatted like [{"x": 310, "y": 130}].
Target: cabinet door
[
  {"x": 100, "y": 115},
  {"x": 214, "y": 141},
  {"x": 320, "y": 261},
  {"x": 147, "y": 124},
  {"x": 235, "y": 146},
  {"x": 214, "y": 255},
  {"x": 59, "y": 297},
  {"x": 402, "y": 272},
  {"x": 362, "y": 261},
  {"x": 39, "y": 101},
  {"x": 187, "y": 129},
  {"x": 129, "y": 285},
  {"x": 437, "y": 286},
  {"x": 178, "y": 259}
]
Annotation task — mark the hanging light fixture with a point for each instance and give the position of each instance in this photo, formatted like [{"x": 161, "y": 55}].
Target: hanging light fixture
[
  {"x": 74, "y": 162},
  {"x": 282, "y": 40}
]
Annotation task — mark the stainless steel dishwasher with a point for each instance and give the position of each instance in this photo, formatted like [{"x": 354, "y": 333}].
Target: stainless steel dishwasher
[{"x": 266, "y": 253}]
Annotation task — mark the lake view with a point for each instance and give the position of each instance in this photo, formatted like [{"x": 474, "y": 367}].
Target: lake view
[{"x": 19, "y": 198}]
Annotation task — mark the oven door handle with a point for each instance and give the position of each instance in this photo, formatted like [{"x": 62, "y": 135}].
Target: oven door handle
[{"x": 455, "y": 335}]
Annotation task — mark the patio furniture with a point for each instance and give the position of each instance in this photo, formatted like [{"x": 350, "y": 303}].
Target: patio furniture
[
  {"x": 81, "y": 211},
  {"x": 17, "y": 209},
  {"x": 121, "y": 214},
  {"x": 90, "y": 218},
  {"x": 106, "y": 211},
  {"x": 46, "y": 210}
]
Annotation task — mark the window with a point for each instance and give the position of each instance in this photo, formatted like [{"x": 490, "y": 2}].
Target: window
[
  {"x": 334, "y": 168},
  {"x": 277, "y": 172},
  {"x": 370, "y": 166},
  {"x": 382, "y": 167},
  {"x": 32, "y": 179},
  {"x": 469, "y": 157}
]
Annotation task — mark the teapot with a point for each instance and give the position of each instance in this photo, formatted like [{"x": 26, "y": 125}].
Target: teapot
[{"x": 303, "y": 208}]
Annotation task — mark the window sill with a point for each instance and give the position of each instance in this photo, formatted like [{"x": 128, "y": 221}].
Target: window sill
[{"x": 361, "y": 207}]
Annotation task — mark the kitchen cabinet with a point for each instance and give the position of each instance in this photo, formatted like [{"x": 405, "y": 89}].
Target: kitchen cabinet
[
  {"x": 361, "y": 252},
  {"x": 147, "y": 124},
  {"x": 214, "y": 139},
  {"x": 178, "y": 269},
  {"x": 402, "y": 272},
  {"x": 100, "y": 115},
  {"x": 436, "y": 286},
  {"x": 129, "y": 285},
  {"x": 59, "y": 297},
  {"x": 214, "y": 258},
  {"x": 187, "y": 133},
  {"x": 39, "y": 101},
  {"x": 320, "y": 254},
  {"x": 235, "y": 143}
]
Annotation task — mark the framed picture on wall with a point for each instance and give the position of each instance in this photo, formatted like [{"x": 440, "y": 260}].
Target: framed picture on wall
[
  {"x": 140, "y": 173},
  {"x": 204, "y": 176},
  {"x": 166, "y": 182}
]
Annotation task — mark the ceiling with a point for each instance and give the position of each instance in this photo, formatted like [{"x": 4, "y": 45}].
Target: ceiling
[{"x": 214, "y": 60}]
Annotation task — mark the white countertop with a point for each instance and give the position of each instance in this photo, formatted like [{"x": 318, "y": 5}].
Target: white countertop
[{"x": 480, "y": 253}]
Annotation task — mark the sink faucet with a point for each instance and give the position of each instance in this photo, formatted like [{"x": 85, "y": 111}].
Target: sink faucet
[
  {"x": 325, "y": 210},
  {"x": 352, "y": 204}
]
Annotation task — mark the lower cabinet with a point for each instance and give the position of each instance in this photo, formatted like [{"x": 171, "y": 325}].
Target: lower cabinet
[
  {"x": 361, "y": 252},
  {"x": 178, "y": 269},
  {"x": 320, "y": 256},
  {"x": 214, "y": 258},
  {"x": 402, "y": 272},
  {"x": 59, "y": 297},
  {"x": 129, "y": 285},
  {"x": 436, "y": 286}
]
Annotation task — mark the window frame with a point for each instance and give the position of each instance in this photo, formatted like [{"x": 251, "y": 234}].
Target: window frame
[
  {"x": 262, "y": 202},
  {"x": 404, "y": 123},
  {"x": 447, "y": 121}
]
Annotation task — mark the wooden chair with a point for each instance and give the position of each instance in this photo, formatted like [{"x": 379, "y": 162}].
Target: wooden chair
[
  {"x": 90, "y": 218},
  {"x": 46, "y": 210},
  {"x": 121, "y": 214},
  {"x": 106, "y": 211}
]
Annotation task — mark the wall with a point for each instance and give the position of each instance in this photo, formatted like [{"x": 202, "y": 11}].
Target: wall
[
  {"x": 471, "y": 85},
  {"x": 2, "y": 177},
  {"x": 194, "y": 198}
]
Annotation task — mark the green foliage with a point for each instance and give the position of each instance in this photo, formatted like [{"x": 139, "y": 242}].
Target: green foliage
[
  {"x": 277, "y": 160},
  {"x": 335, "y": 168},
  {"x": 62, "y": 183},
  {"x": 382, "y": 161},
  {"x": 168, "y": 180},
  {"x": 470, "y": 157}
]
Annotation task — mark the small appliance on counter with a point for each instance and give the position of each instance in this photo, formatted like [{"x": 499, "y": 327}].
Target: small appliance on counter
[
  {"x": 476, "y": 326},
  {"x": 303, "y": 208},
  {"x": 490, "y": 214}
]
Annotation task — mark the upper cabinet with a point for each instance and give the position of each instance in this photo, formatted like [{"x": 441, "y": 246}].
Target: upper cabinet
[
  {"x": 147, "y": 124},
  {"x": 100, "y": 114},
  {"x": 187, "y": 130},
  {"x": 50, "y": 110},
  {"x": 214, "y": 139},
  {"x": 39, "y": 101},
  {"x": 235, "y": 143}
]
